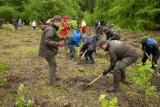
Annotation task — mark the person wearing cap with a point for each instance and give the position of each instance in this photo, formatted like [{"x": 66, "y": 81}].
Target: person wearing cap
[
  {"x": 121, "y": 56},
  {"x": 111, "y": 34},
  {"x": 65, "y": 26},
  {"x": 49, "y": 44},
  {"x": 149, "y": 46}
]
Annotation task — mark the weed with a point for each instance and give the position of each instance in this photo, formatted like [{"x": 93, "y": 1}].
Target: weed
[
  {"x": 21, "y": 98},
  {"x": 108, "y": 103}
]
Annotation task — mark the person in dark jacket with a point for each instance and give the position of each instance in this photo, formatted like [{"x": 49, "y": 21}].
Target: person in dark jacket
[
  {"x": 121, "y": 56},
  {"x": 71, "y": 45},
  {"x": 49, "y": 45},
  {"x": 1, "y": 22},
  {"x": 87, "y": 49},
  {"x": 149, "y": 46},
  {"x": 15, "y": 24},
  {"x": 111, "y": 34}
]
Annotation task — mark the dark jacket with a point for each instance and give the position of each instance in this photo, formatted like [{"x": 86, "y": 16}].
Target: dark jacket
[
  {"x": 89, "y": 44},
  {"x": 118, "y": 51},
  {"x": 71, "y": 41},
  {"x": 154, "y": 50},
  {"x": 49, "y": 41},
  {"x": 112, "y": 34}
]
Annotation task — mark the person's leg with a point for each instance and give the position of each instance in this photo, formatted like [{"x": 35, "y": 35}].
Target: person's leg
[
  {"x": 90, "y": 56},
  {"x": 145, "y": 57},
  {"x": 72, "y": 51},
  {"x": 117, "y": 75},
  {"x": 86, "y": 58},
  {"x": 52, "y": 68},
  {"x": 154, "y": 59}
]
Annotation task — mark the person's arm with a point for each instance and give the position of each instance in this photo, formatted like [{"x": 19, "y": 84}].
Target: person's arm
[
  {"x": 48, "y": 38},
  {"x": 115, "y": 36},
  {"x": 156, "y": 54},
  {"x": 113, "y": 61}
]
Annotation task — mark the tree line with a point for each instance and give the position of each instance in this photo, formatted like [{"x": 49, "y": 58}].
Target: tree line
[{"x": 126, "y": 14}]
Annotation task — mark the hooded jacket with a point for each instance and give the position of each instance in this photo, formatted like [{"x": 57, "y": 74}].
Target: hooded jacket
[
  {"x": 112, "y": 34},
  {"x": 49, "y": 41},
  {"x": 119, "y": 51},
  {"x": 77, "y": 37},
  {"x": 146, "y": 47},
  {"x": 89, "y": 44}
]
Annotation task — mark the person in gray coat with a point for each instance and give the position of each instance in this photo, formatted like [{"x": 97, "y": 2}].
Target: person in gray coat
[
  {"x": 121, "y": 56},
  {"x": 49, "y": 46}
]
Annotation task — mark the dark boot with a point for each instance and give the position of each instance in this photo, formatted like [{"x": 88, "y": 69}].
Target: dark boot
[
  {"x": 114, "y": 88},
  {"x": 126, "y": 81},
  {"x": 86, "y": 62},
  {"x": 92, "y": 61}
]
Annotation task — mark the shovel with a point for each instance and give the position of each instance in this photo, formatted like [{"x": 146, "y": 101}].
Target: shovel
[
  {"x": 153, "y": 65},
  {"x": 94, "y": 81}
]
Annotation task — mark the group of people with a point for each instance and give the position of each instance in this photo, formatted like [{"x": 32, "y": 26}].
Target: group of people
[{"x": 121, "y": 54}]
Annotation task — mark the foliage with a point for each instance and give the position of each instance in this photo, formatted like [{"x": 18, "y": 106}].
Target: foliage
[
  {"x": 142, "y": 77},
  {"x": 3, "y": 80},
  {"x": 108, "y": 103},
  {"x": 133, "y": 14},
  {"x": 141, "y": 82},
  {"x": 21, "y": 98}
]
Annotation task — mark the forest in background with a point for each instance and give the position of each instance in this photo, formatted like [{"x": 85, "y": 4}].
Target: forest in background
[{"x": 125, "y": 14}]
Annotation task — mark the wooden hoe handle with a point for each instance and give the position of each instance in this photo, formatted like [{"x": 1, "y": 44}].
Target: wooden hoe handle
[{"x": 95, "y": 79}]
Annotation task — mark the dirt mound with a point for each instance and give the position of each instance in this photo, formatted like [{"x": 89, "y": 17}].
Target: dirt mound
[{"x": 80, "y": 82}]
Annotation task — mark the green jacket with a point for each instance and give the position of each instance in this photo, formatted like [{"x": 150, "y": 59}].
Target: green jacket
[
  {"x": 119, "y": 51},
  {"x": 49, "y": 41}
]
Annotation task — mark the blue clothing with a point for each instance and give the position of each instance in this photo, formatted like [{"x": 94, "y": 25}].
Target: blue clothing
[
  {"x": 77, "y": 37},
  {"x": 151, "y": 42}
]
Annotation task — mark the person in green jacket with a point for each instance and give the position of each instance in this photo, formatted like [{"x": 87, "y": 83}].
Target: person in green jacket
[
  {"x": 49, "y": 46},
  {"x": 121, "y": 56}
]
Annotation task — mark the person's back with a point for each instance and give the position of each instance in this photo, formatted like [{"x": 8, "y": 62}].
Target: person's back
[
  {"x": 120, "y": 49},
  {"x": 112, "y": 34}
]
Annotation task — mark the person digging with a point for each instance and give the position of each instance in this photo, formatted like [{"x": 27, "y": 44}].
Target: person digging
[
  {"x": 49, "y": 46},
  {"x": 149, "y": 46},
  {"x": 87, "y": 49},
  {"x": 121, "y": 56}
]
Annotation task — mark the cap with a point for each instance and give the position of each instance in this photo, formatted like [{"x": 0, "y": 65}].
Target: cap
[{"x": 57, "y": 18}]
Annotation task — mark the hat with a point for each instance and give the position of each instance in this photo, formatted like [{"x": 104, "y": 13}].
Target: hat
[
  {"x": 151, "y": 42},
  {"x": 102, "y": 42},
  {"x": 65, "y": 18},
  {"x": 57, "y": 18}
]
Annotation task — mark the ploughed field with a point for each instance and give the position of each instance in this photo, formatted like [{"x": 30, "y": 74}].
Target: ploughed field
[{"x": 19, "y": 51}]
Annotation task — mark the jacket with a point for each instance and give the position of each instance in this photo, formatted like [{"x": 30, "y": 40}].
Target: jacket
[
  {"x": 154, "y": 50},
  {"x": 118, "y": 51},
  {"x": 49, "y": 41},
  {"x": 89, "y": 44},
  {"x": 77, "y": 37},
  {"x": 112, "y": 34}
]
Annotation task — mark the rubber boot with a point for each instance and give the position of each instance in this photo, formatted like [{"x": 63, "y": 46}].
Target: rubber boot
[
  {"x": 92, "y": 61},
  {"x": 114, "y": 88},
  {"x": 86, "y": 62}
]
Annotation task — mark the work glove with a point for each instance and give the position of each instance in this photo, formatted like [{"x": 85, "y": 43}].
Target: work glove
[
  {"x": 105, "y": 72},
  {"x": 80, "y": 53},
  {"x": 154, "y": 63},
  {"x": 62, "y": 43}
]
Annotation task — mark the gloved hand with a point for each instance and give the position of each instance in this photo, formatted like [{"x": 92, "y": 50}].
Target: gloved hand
[
  {"x": 80, "y": 53},
  {"x": 105, "y": 72},
  {"x": 62, "y": 43}
]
